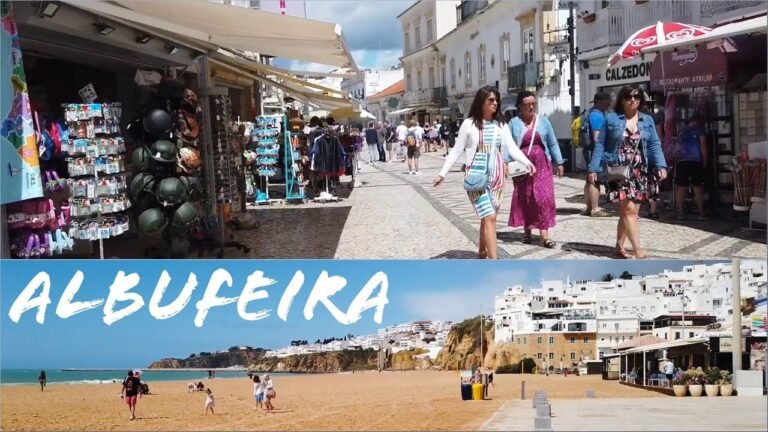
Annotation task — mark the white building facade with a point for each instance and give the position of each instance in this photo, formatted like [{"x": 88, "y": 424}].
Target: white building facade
[{"x": 369, "y": 82}]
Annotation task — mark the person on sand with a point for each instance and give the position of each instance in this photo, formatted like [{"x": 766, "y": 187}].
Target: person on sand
[
  {"x": 42, "y": 380},
  {"x": 258, "y": 392},
  {"x": 270, "y": 393},
  {"x": 131, "y": 392},
  {"x": 210, "y": 404}
]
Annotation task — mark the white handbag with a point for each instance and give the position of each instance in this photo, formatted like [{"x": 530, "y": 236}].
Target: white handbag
[{"x": 517, "y": 168}]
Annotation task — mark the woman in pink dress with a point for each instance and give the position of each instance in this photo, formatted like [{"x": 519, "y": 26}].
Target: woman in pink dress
[{"x": 533, "y": 199}]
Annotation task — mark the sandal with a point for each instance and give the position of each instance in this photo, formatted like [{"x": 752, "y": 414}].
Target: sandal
[
  {"x": 549, "y": 244},
  {"x": 527, "y": 239},
  {"x": 600, "y": 214},
  {"x": 621, "y": 254}
]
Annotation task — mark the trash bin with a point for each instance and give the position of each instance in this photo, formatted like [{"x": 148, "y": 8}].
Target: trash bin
[
  {"x": 477, "y": 391},
  {"x": 466, "y": 392}
]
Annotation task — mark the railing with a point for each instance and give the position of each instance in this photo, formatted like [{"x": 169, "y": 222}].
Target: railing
[
  {"x": 719, "y": 10},
  {"x": 522, "y": 76},
  {"x": 468, "y": 8},
  {"x": 440, "y": 96},
  {"x": 419, "y": 97}
]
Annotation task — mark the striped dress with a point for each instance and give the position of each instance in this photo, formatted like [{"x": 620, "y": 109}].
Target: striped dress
[{"x": 488, "y": 202}]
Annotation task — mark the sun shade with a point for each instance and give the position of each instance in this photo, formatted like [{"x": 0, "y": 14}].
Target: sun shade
[
  {"x": 235, "y": 28},
  {"x": 754, "y": 25}
]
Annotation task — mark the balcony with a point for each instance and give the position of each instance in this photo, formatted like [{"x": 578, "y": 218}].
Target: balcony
[
  {"x": 429, "y": 96},
  {"x": 713, "y": 11},
  {"x": 522, "y": 76},
  {"x": 468, "y": 8}
]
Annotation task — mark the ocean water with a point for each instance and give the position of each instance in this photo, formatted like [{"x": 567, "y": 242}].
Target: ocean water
[{"x": 58, "y": 376}]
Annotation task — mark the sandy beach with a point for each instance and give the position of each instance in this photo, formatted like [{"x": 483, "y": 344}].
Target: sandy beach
[{"x": 363, "y": 401}]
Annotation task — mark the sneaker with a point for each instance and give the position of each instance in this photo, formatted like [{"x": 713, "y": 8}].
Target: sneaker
[{"x": 418, "y": 173}]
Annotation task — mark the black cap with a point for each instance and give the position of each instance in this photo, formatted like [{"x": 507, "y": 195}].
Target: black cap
[{"x": 602, "y": 97}]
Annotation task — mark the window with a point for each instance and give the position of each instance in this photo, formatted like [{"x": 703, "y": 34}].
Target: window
[
  {"x": 551, "y": 356},
  {"x": 504, "y": 54},
  {"x": 677, "y": 335},
  {"x": 419, "y": 82},
  {"x": 551, "y": 340},
  {"x": 525, "y": 340},
  {"x": 642, "y": 309},
  {"x": 586, "y": 339},
  {"x": 573, "y": 356},
  {"x": 431, "y": 77},
  {"x": 573, "y": 340},
  {"x": 528, "y": 45},
  {"x": 605, "y": 325},
  {"x": 417, "y": 34},
  {"x": 408, "y": 86},
  {"x": 481, "y": 63},
  {"x": 602, "y": 339},
  {"x": 467, "y": 69},
  {"x": 539, "y": 356},
  {"x": 444, "y": 81},
  {"x": 539, "y": 340},
  {"x": 453, "y": 73},
  {"x": 407, "y": 41},
  {"x": 429, "y": 29},
  {"x": 653, "y": 308}
]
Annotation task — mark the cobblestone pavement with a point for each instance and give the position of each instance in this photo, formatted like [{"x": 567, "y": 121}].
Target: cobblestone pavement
[
  {"x": 639, "y": 414},
  {"x": 394, "y": 215}
]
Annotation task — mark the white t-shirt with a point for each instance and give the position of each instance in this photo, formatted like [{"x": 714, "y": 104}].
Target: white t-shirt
[
  {"x": 418, "y": 131},
  {"x": 669, "y": 368},
  {"x": 258, "y": 388},
  {"x": 401, "y": 132}
]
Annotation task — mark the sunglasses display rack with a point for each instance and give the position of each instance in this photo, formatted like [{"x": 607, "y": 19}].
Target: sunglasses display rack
[
  {"x": 264, "y": 154},
  {"x": 294, "y": 189},
  {"x": 225, "y": 157},
  {"x": 96, "y": 166}
]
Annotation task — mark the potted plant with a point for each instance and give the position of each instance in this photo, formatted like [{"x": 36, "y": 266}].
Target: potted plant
[
  {"x": 694, "y": 378},
  {"x": 712, "y": 381},
  {"x": 726, "y": 387},
  {"x": 678, "y": 384},
  {"x": 589, "y": 18}
]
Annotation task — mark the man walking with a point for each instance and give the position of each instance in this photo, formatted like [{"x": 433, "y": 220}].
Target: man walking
[
  {"x": 131, "y": 392},
  {"x": 381, "y": 130},
  {"x": 400, "y": 133},
  {"x": 414, "y": 140},
  {"x": 372, "y": 139},
  {"x": 590, "y": 127}
]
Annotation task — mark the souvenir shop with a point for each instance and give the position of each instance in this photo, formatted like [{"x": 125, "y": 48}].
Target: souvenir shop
[
  {"x": 728, "y": 91},
  {"x": 109, "y": 156}
]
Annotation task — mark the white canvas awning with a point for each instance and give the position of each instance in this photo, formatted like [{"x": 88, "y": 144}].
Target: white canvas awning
[
  {"x": 750, "y": 26},
  {"x": 234, "y": 27},
  {"x": 402, "y": 111},
  {"x": 666, "y": 345}
]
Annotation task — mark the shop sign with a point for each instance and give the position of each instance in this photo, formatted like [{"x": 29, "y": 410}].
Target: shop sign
[
  {"x": 629, "y": 71},
  {"x": 20, "y": 171},
  {"x": 88, "y": 94},
  {"x": 689, "y": 68}
]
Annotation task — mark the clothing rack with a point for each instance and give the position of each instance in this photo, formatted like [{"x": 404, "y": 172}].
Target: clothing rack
[
  {"x": 327, "y": 196},
  {"x": 294, "y": 190}
]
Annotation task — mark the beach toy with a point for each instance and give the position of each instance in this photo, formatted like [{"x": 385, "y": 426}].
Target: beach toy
[
  {"x": 477, "y": 391},
  {"x": 466, "y": 392}
]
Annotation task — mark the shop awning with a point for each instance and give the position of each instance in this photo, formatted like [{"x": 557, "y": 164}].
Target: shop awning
[
  {"x": 351, "y": 113},
  {"x": 754, "y": 25},
  {"x": 235, "y": 28},
  {"x": 666, "y": 345},
  {"x": 402, "y": 111}
]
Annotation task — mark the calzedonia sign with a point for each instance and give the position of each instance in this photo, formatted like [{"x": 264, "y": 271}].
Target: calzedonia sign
[{"x": 626, "y": 72}]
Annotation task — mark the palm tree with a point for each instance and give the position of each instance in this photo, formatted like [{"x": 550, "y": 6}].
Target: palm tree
[
  {"x": 607, "y": 277},
  {"x": 626, "y": 275}
]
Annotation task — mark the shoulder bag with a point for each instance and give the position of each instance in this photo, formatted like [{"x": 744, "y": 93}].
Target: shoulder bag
[
  {"x": 476, "y": 178},
  {"x": 517, "y": 168},
  {"x": 621, "y": 173}
]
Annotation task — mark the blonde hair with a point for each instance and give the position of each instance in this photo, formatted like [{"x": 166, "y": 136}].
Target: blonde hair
[{"x": 414, "y": 123}]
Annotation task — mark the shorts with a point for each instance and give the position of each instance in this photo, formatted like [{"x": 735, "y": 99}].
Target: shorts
[
  {"x": 689, "y": 173},
  {"x": 131, "y": 400},
  {"x": 389, "y": 145},
  {"x": 413, "y": 152},
  {"x": 259, "y": 397}
]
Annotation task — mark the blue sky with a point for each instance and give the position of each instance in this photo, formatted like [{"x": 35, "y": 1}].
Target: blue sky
[
  {"x": 417, "y": 290},
  {"x": 370, "y": 28}
]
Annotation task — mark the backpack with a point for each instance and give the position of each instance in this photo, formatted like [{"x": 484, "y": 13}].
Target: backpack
[
  {"x": 585, "y": 132},
  {"x": 411, "y": 140}
]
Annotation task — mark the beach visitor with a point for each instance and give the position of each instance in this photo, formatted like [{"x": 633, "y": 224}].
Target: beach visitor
[
  {"x": 42, "y": 380},
  {"x": 210, "y": 404},
  {"x": 484, "y": 133},
  {"x": 414, "y": 141},
  {"x": 401, "y": 132},
  {"x": 629, "y": 139},
  {"x": 131, "y": 392},
  {"x": 258, "y": 392},
  {"x": 270, "y": 393},
  {"x": 669, "y": 370},
  {"x": 533, "y": 198}
]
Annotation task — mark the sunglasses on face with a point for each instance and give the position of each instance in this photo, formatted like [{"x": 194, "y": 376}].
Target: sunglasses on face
[
  {"x": 634, "y": 96},
  {"x": 490, "y": 100}
]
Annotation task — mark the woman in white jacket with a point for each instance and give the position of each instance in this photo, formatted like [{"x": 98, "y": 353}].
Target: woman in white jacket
[{"x": 485, "y": 131}]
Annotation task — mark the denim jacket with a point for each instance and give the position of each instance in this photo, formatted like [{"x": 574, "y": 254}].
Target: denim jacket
[
  {"x": 611, "y": 138},
  {"x": 544, "y": 127}
]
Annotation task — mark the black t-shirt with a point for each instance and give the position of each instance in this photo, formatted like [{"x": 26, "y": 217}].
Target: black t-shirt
[
  {"x": 371, "y": 136},
  {"x": 132, "y": 386}
]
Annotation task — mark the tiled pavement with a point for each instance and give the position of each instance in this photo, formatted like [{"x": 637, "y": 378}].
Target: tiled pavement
[
  {"x": 394, "y": 215},
  {"x": 639, "y": 414}
]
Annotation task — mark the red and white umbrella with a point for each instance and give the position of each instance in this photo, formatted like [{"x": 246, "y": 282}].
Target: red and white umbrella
[{"x": 656, "y": 34}]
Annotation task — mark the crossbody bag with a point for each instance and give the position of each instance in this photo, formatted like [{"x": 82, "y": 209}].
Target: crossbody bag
[
  {"x": 477, "y": 177},
  {"x": 621, "y": 173}
]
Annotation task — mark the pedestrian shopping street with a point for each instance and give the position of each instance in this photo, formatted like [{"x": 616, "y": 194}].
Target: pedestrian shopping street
[{"x": 394, "y": 215}]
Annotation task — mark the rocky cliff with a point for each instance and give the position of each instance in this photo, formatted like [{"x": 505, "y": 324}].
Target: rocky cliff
[
  {"x": 212, "y": 360},
  {"x": 462, "y": 348},
  {"x": 335, "y": 361},
  {"x": 410, "y": 360}
]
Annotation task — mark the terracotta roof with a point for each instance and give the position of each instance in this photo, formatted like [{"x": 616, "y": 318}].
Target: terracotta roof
[
  {"x": 642, "y": 340},
  {"x": 395, "y": 88}
]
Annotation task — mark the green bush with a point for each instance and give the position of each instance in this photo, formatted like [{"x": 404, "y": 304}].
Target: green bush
[
  {"x": 508, "y": 369},
  {"x": 712, "y": 376}
]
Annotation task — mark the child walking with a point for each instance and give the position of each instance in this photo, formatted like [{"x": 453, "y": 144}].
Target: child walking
[{"x": 210, "y": 404}]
